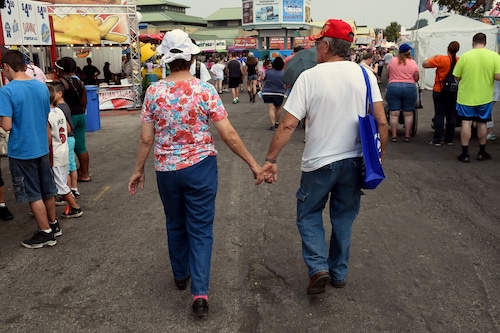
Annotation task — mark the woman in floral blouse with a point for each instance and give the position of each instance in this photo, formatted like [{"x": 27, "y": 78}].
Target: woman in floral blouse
[{"x": 175, "y": 116}]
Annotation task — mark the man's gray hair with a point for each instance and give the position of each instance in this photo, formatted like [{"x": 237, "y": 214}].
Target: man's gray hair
[{"x": 338, "y": 47}]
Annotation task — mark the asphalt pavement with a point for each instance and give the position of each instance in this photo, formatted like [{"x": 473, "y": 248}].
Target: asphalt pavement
[{"x": 424, "y": 254}]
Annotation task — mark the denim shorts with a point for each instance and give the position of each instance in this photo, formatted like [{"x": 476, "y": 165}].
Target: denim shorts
[
  {"x": 479, "y": 113},
  {"x": 32, "y": 179},
  {"x": 252, "y": 77},
  {"x": 401, "y": 96}
]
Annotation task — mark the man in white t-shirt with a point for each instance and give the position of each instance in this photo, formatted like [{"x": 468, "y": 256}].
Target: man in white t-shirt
[{"x": 331, "y": 96}]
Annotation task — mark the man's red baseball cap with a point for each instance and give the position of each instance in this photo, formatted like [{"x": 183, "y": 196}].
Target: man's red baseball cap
[{"x": 335, "y": 29}]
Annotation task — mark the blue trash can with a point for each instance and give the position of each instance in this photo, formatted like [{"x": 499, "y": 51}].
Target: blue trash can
[
  {"x": 151, "y": 77},
  {"x": 93, "y": 115}
]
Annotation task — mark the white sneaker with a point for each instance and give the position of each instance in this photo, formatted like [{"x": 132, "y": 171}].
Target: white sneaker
[{"x": 491, "y": 137}]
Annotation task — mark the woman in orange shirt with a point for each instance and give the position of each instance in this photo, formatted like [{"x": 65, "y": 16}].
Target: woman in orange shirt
[{"x": 444, "y": 101}]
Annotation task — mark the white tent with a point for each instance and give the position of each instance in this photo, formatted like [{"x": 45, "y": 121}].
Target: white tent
[{"x": 434, "y": 39}]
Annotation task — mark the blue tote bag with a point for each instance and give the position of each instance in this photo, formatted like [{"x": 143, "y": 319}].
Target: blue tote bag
[{"x": 373, "y": 174}]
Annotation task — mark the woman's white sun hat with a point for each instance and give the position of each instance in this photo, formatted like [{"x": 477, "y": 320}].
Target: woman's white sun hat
[{"x": 176, "y": 44}]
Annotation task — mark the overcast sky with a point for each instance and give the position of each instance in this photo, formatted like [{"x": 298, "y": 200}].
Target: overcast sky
[{"x": 374, "y": 13}]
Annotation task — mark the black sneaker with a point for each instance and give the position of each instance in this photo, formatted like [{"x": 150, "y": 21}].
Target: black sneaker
[
  {"x": 5, "y": 214},
  {"x": 39, "y": 240},
  {"x": 464, "y": 158},
  {"x": 76, "y": 194},
  {"x": 56, "y": 228},
  {"x": 483, "y": 156},
  {"x": 200, "y": 307},
  {"x": 71, "y": 212}
]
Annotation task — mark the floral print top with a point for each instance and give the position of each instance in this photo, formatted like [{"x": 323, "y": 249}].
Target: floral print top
[{"x": 180, "y": 111}]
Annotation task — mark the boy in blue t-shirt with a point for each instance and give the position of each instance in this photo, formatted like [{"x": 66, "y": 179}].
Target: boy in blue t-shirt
[{"x": 25, "y": 109}]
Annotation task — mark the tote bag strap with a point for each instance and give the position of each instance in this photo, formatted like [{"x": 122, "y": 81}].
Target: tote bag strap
[{"x": 369, "y": 100}]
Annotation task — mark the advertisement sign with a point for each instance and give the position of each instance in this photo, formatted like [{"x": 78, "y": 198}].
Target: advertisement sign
[
  {"x": 82, "y": 52},
  {"x": 220, "y": 45},
  {"x": 247, "y": 12},
  {"x": 303, "y": 41},
  {"x": 293, "y": 11},
  {"x": 86, "y": 2},
  {"x": 91, "y": 29},
  {"x": 27, "y": 15},
  {"x": 116, "y": 98},
  {"x": 278, "y": 43},
  {"x": 26, "y": 23},
  {"x": 264, "y": 12},
  {"x": 245, "y": 43},
  {"x": 42, "y": 23},
  {"x": 206, "y": 45},
  {"x": 11, "y": 23},
  {"x": 267, "y": 11}
]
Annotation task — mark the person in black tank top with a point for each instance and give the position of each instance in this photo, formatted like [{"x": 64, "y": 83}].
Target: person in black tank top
[
  {"x": 252, "y": 63},
  {"x": 75, "y": 96}
]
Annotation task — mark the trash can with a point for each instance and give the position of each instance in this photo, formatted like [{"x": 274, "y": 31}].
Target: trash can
[
  {"x": 151, "y": 77},
  {"x": 93, "y": 116}
]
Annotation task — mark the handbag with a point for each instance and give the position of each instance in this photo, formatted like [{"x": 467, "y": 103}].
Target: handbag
[
  {"x": 4, "y": 140},
  {"x": 373, "y": 174}
]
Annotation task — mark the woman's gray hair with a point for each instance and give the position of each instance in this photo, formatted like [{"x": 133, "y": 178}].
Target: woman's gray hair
[{"x": 338, "y": 47}]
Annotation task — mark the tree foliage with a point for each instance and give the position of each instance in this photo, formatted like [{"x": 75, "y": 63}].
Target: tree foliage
[
  {"x": 392, "y": 32},
  {"x": 466, "y": 7}
]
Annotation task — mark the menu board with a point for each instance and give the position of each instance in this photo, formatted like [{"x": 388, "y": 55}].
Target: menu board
[{"x": 26, "y": 23}]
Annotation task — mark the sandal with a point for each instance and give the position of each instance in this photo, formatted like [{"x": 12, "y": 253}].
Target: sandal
[
  {"x": 394, "y": 139},
  {"x": 407, "y": 139}
]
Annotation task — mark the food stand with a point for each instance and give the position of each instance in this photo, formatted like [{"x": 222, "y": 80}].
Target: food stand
[
  {"x": 102, "y": 30},
  {"x": 78, "y": 29}
]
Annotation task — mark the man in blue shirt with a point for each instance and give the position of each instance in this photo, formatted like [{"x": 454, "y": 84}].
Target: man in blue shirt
[{"x": 24, "y": 112}]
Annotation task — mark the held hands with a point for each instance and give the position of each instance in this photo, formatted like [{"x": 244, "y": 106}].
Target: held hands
[
  {"x": 270, "y": 170},
  {"x": 267, "y": 173}
]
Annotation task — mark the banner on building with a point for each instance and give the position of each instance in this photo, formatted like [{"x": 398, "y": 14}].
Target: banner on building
[
  {"x": 220, "y": 45},
  {"x": 245, "y": 43},
  {"x": 303, "y": 41}
]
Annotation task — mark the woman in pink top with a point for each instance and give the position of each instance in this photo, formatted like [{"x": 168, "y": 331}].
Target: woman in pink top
[
  {"x": 401, "y": 95},
  {"x": 175, "y": 120}
]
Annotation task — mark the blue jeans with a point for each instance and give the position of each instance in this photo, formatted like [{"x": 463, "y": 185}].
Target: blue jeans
[
  {"x": 444, "y": 107},
  {"x": 188, "y": 198},
  {"x": 341, "y": 181}
]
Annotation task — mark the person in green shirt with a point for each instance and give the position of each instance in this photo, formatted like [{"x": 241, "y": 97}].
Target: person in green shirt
[{"x": 476, "y": 70}]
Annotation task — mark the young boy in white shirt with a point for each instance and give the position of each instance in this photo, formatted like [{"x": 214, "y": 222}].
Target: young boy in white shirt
[{"x": 58, "y": 145}]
